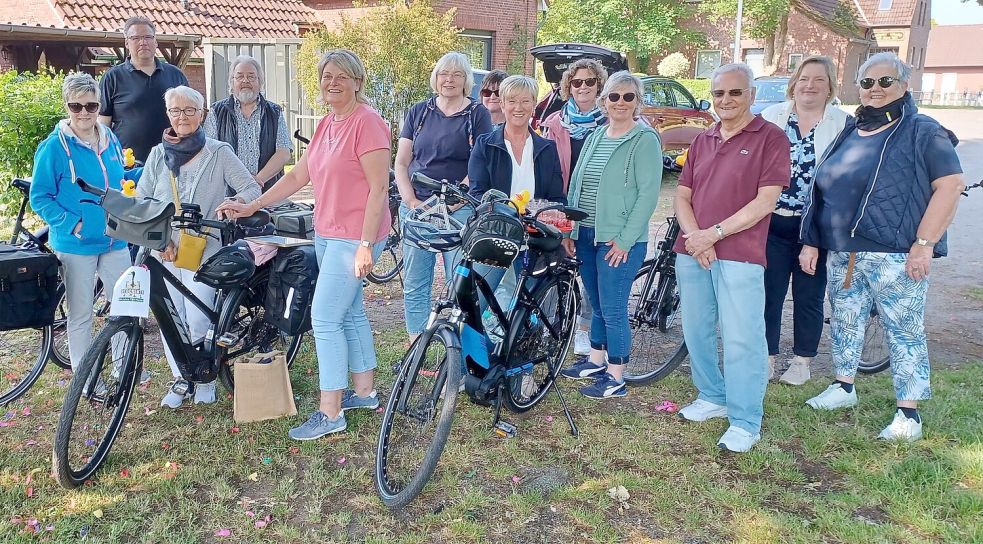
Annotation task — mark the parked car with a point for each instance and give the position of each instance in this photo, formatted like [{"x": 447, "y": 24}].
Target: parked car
[
  {"x": 672, "y": 110},
  {"x": 479, "y": 76},
  {"x": 770, "y": 90},
  {"x": 555, "y": 59}
]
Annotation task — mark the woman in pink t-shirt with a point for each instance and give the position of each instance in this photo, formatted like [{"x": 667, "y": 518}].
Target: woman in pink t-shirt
[{"x": 347, "y": 162}]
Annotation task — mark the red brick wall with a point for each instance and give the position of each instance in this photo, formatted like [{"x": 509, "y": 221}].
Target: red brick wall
[{"x": 196, "y": 77}]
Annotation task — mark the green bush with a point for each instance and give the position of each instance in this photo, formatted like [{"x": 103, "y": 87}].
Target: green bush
[
  {"x": 674, "y": 65},
  {"x": 699, "y": 88},
  {"x": 30, "y": 108}
]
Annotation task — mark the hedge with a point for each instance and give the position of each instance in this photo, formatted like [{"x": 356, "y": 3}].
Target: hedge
[{"x": 699, "y": 88}]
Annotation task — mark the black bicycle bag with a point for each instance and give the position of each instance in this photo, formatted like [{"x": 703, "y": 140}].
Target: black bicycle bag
[
  {"x": 28, "y": 287},
  {"x": 290, "y": 290}
]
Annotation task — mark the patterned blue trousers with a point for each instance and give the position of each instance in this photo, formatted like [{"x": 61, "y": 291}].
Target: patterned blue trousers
[{"x": 880, "y": 278}]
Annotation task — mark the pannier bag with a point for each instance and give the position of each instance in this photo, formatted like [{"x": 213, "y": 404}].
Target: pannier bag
[
  {"x": 28, "y": 287},
  {"x": 143, "y": 222},
  {"x": 294, "y": 220},
  {"x": 290, "y": 290},
  {"x": 494, "y": 235}
]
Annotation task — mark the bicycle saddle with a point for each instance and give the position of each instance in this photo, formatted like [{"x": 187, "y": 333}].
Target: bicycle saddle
[{"x": 258, "y": 219}]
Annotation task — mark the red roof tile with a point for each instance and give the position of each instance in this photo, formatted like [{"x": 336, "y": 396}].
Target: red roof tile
[
  {"x": 947, "y": 46},
  {"x": 900, "y": 13}
]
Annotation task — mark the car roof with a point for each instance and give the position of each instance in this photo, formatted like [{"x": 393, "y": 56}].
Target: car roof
[
  {"x": 772, "y": 78},
  {"x": 557, "y": 56}
]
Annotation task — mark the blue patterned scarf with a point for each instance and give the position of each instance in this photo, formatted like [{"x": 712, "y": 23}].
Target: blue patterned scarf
[{"x": 580, "y": 125}]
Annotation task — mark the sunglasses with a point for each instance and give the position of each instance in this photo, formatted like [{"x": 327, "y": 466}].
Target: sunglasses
[
  {"x": 90, "y": 107},
  {"x": 590, "y": 82},
  {"x": 883, "y": 81},
  {"x": 731, "y": 92},
  {"x": 614, "y": 97},
  {"x": 486, "y": 93}
]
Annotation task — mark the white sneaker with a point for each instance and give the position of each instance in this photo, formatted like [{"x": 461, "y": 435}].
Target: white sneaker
[
  {"x": 581, "y": 342},
  {"x": 701, "y": 410},
  {"x": 798, "y": 372},
  {"x": 834, "y": 397},
  {"x": 737, "y": 440},
  {"x": 771, "y": 367},
  {"x": 174, "y": 400},
  {"x": 902, "y": 428},
  {"x": 205, "y": 393}
]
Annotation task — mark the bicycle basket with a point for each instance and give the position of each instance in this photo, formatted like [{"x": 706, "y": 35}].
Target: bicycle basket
[
  {"x": 431, "y": 227},
  {"x": 494, "y": 235},
  {"x": 142, "y": 222}
]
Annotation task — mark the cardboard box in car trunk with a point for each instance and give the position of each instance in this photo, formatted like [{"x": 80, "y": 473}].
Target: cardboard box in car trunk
[{"x": 262, "y": 388}]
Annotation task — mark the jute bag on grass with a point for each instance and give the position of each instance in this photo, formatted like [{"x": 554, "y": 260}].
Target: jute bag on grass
[{"x": 262, "y": 388}]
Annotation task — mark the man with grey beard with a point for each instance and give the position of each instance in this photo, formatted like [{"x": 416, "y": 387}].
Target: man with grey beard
[{"x": 254, "y": 127}]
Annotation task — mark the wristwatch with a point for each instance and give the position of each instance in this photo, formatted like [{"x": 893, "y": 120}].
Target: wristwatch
[
  {"x": 720, "y": 231},
  {"x": 924, "y": 242},
  {"x": 365, "y": 243}
]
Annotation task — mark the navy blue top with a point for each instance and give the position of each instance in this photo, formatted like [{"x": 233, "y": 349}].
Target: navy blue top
[
  {"x": 442, "y": 144},
  {"x": 135, "y": 101},
  {"x": 490, "y": 166},
  {"x": 803, "y": 155}
]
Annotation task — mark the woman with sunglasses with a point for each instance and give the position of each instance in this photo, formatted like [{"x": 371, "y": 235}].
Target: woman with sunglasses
[
  {"x": 491, "y": 97},
  {"x": 617, "y": 181},
  {"x": 79, "y": 147},
  {"x": 881, "y": 201},
  {"x": 811, "y": 124}
]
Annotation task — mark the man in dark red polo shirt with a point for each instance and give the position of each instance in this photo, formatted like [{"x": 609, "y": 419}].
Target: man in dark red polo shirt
[{"x": 733, "y": 176}]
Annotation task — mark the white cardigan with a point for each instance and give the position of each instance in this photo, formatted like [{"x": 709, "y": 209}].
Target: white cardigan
[{"x": 827, "y": 130}]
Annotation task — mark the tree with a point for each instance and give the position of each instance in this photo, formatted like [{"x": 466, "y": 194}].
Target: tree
[
  {"x": 399, "y": 43},
  {"x": 638, "y": 28}
]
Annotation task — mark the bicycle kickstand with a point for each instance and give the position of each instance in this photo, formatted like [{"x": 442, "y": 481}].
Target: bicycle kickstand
[{"x": 574, "y": 431}]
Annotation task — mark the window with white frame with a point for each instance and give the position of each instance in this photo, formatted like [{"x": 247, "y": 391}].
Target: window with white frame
[
  {"x": 706, "y": 62},
  {"x": 478, "y": 48},
  {"x": 794, "y": 60}
]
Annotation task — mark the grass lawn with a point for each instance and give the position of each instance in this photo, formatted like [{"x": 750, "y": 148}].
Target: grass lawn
[{"x": 186, "y": 476}]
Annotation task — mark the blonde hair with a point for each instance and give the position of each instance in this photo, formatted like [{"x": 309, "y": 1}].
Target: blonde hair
[
  {"x": 514, "y": 85},
  {"x": 591, "y": 65},
  {"x": 619, "y": 79},
  {"x": 349, "y": 63},
  {"x": 826, "y": 63},
  {"x": 451, "y": 61}
]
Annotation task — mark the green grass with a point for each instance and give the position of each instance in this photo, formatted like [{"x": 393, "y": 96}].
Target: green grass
[
  {"x": 976, "y": 293},
  {"x": 816, "y": 477}
]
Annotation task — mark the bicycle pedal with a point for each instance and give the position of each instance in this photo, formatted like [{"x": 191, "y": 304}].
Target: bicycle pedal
[
  {"x": 505, "y": 429},
  {"x": 227, "y": 340}
]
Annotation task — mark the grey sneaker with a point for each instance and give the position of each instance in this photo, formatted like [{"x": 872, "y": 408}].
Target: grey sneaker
[
  {"x": 351, "y": 401},
  {"x": 318, "y": 425}
]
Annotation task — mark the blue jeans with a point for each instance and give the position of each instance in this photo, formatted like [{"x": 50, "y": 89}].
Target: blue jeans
[
  {"x": 342, "y": 334},
  {"x": 608, "y": 289},
  {"x": 732, "y": 295}
]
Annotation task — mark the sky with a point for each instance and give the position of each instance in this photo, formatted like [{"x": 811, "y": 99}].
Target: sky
[{"x": 955, "y": 12}]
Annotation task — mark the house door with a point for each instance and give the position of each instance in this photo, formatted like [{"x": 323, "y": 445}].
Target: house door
[
  {"x": 755, "y": 58},
  {"x": 948, "y": 87}
]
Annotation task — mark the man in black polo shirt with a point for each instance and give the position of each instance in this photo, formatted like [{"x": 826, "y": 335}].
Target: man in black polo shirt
[{"x": 133, "y": 92}]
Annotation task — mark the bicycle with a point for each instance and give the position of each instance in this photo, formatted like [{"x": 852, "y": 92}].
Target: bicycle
[
  {"x": 517, "y": 372},
  {"x": 99, "y": 395}
]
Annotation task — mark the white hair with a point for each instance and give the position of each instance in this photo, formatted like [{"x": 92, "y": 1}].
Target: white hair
[
  {"x": 246, "y": 59},
  {"x": 453, "y": 61},
  {"x": 734, "y": 67},
  {"x": 621, "y": 79},
  {"x": 901, "y": 68},
  {"x": 186, "y": 92},
  {"x": 77, "y": 84}
]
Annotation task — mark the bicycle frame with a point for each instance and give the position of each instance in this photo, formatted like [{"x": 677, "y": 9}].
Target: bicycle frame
[{"x": 665, "y": 266}]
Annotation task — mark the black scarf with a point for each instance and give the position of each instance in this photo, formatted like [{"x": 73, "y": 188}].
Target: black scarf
[
  {"x": 870, "y": 118},
  {"x": 179, "y": 150}
]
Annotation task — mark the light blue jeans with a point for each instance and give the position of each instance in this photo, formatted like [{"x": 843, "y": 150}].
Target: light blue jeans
[
  {"x": 342, "y": 333},
  {"x": 732, "y": 295}
]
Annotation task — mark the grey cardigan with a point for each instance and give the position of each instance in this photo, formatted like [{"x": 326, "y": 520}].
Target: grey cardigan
[{"x": 221, "y": 169}]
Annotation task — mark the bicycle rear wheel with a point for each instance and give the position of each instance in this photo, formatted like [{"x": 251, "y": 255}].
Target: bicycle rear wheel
[
  {"x": 100, "y": 312},
  {"x": 418, "y": 415},
  {"x": 540, "y": 341},
  {"x": 97, "y": 400},
  {"x": 23, "y": 356},
  {"x": 390, "y": 263},
  {"x": 876, "y": 356},
  {"x": 657, "y": 345}
]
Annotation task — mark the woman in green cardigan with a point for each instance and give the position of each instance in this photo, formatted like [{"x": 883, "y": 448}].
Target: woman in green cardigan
[{"x": 617, "y": 181}]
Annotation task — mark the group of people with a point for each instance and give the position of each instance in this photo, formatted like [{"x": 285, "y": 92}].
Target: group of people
[{"x": 799, "y": 193}]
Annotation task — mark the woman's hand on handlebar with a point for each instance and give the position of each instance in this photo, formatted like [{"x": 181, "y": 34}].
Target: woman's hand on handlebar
[
  {"x": 233, "y": 209},
  {"x": 169, "y": 253}
]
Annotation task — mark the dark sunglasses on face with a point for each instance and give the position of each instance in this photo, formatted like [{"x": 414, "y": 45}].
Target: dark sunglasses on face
[
  {"x": 883, "y": 81},
  {"x": 614, "y": 97},
  {"x": 590, "y": 82},
  {"x": 487, "y": 93},
  {"x": 731, "y": 92},
  {"x": 90, "y": 107}
]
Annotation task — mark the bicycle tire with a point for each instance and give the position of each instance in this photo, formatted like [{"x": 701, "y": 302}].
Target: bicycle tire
[
  {"x": 59, "y": 345},
  {"x": 395, "y": 490},
  {"x": 16, "y": 378},
  {"x": 533, "y": 342},
  {"x": 390, "y": 263},
  {"x": 657, "y": 346},
  {"x": 116, "y": 398},
  {"x": 260, "y": 336},
  {"x": 876, "y": 355}
]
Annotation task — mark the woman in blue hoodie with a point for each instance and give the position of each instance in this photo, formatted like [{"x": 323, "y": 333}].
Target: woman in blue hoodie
[{"x": 79, "y": 147}]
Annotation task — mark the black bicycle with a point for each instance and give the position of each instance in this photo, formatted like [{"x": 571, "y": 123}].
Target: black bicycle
[
  {"x": 102, "y": 386},
  {"x": 517, "y": 372}
]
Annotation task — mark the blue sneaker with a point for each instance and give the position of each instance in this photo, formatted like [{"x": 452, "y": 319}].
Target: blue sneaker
[
  {"x": 351, "y": 401},
  {"x": 604, "y": 387},
  {"x": 583, "y": 369},
  {"x": 318, "y": 425}
]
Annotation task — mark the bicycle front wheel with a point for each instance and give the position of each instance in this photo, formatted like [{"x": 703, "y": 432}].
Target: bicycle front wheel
[
  {"x": 418, "y": 415},
  {"x": 657, "y": 345},
  {"x": 876, "y": 356},
  {"x": 23, "y": 356},
  {"x": 97, "y": 400}
]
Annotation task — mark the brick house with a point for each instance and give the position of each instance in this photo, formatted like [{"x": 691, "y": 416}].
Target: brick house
[
  {"x": 954, "y": 65},
  {"x": 817, "y": 27}
]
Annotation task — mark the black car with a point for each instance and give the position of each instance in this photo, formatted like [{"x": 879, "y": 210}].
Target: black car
[{"x": 557, "y": 57}]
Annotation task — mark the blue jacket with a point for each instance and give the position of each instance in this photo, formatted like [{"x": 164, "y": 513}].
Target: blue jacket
[
  {"x": 60, "y": 159},
  {"x": 898, "y": 191},
  {"x": 490, "y": 166}
]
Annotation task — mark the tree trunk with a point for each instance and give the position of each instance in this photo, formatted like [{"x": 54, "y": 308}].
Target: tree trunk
[
  {"x": 775, "y": 47},
  {"x": 632, "y": 57}
]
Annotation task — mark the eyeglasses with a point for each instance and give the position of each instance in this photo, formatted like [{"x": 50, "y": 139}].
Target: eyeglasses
[
  {"x": 884, "y": 82},
  {"x": 614, "y": 97},
  {"x": 730, "y": 92},
  {"x": 340, "y": 79},
  {"x": 90, "y": 107},
  {"x": 246, "y": 77},
  {"x": 590, "y": 82},
  {"x": 176, "y": 112},
  {"x": 147, "y": 38},
  {"x": 452, "y": 75},
  {"x": 487, "y": 93}
]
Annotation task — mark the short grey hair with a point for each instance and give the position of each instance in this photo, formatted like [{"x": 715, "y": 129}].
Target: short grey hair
[
  {"x": 453, "y": 61},
  {"x": 246, "y": 59},
  {"x": 621, "y": 79},
  {"x": 77, "y": 84},
  {"x": 138, "y": 20},
  {"x": 734, "y": 67},
  {"x": 349, "y": 63},
  {"x": 514, "y": 85},
  {"x": 186, "y": 92},
  {"x": 901, "y": 68}
]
